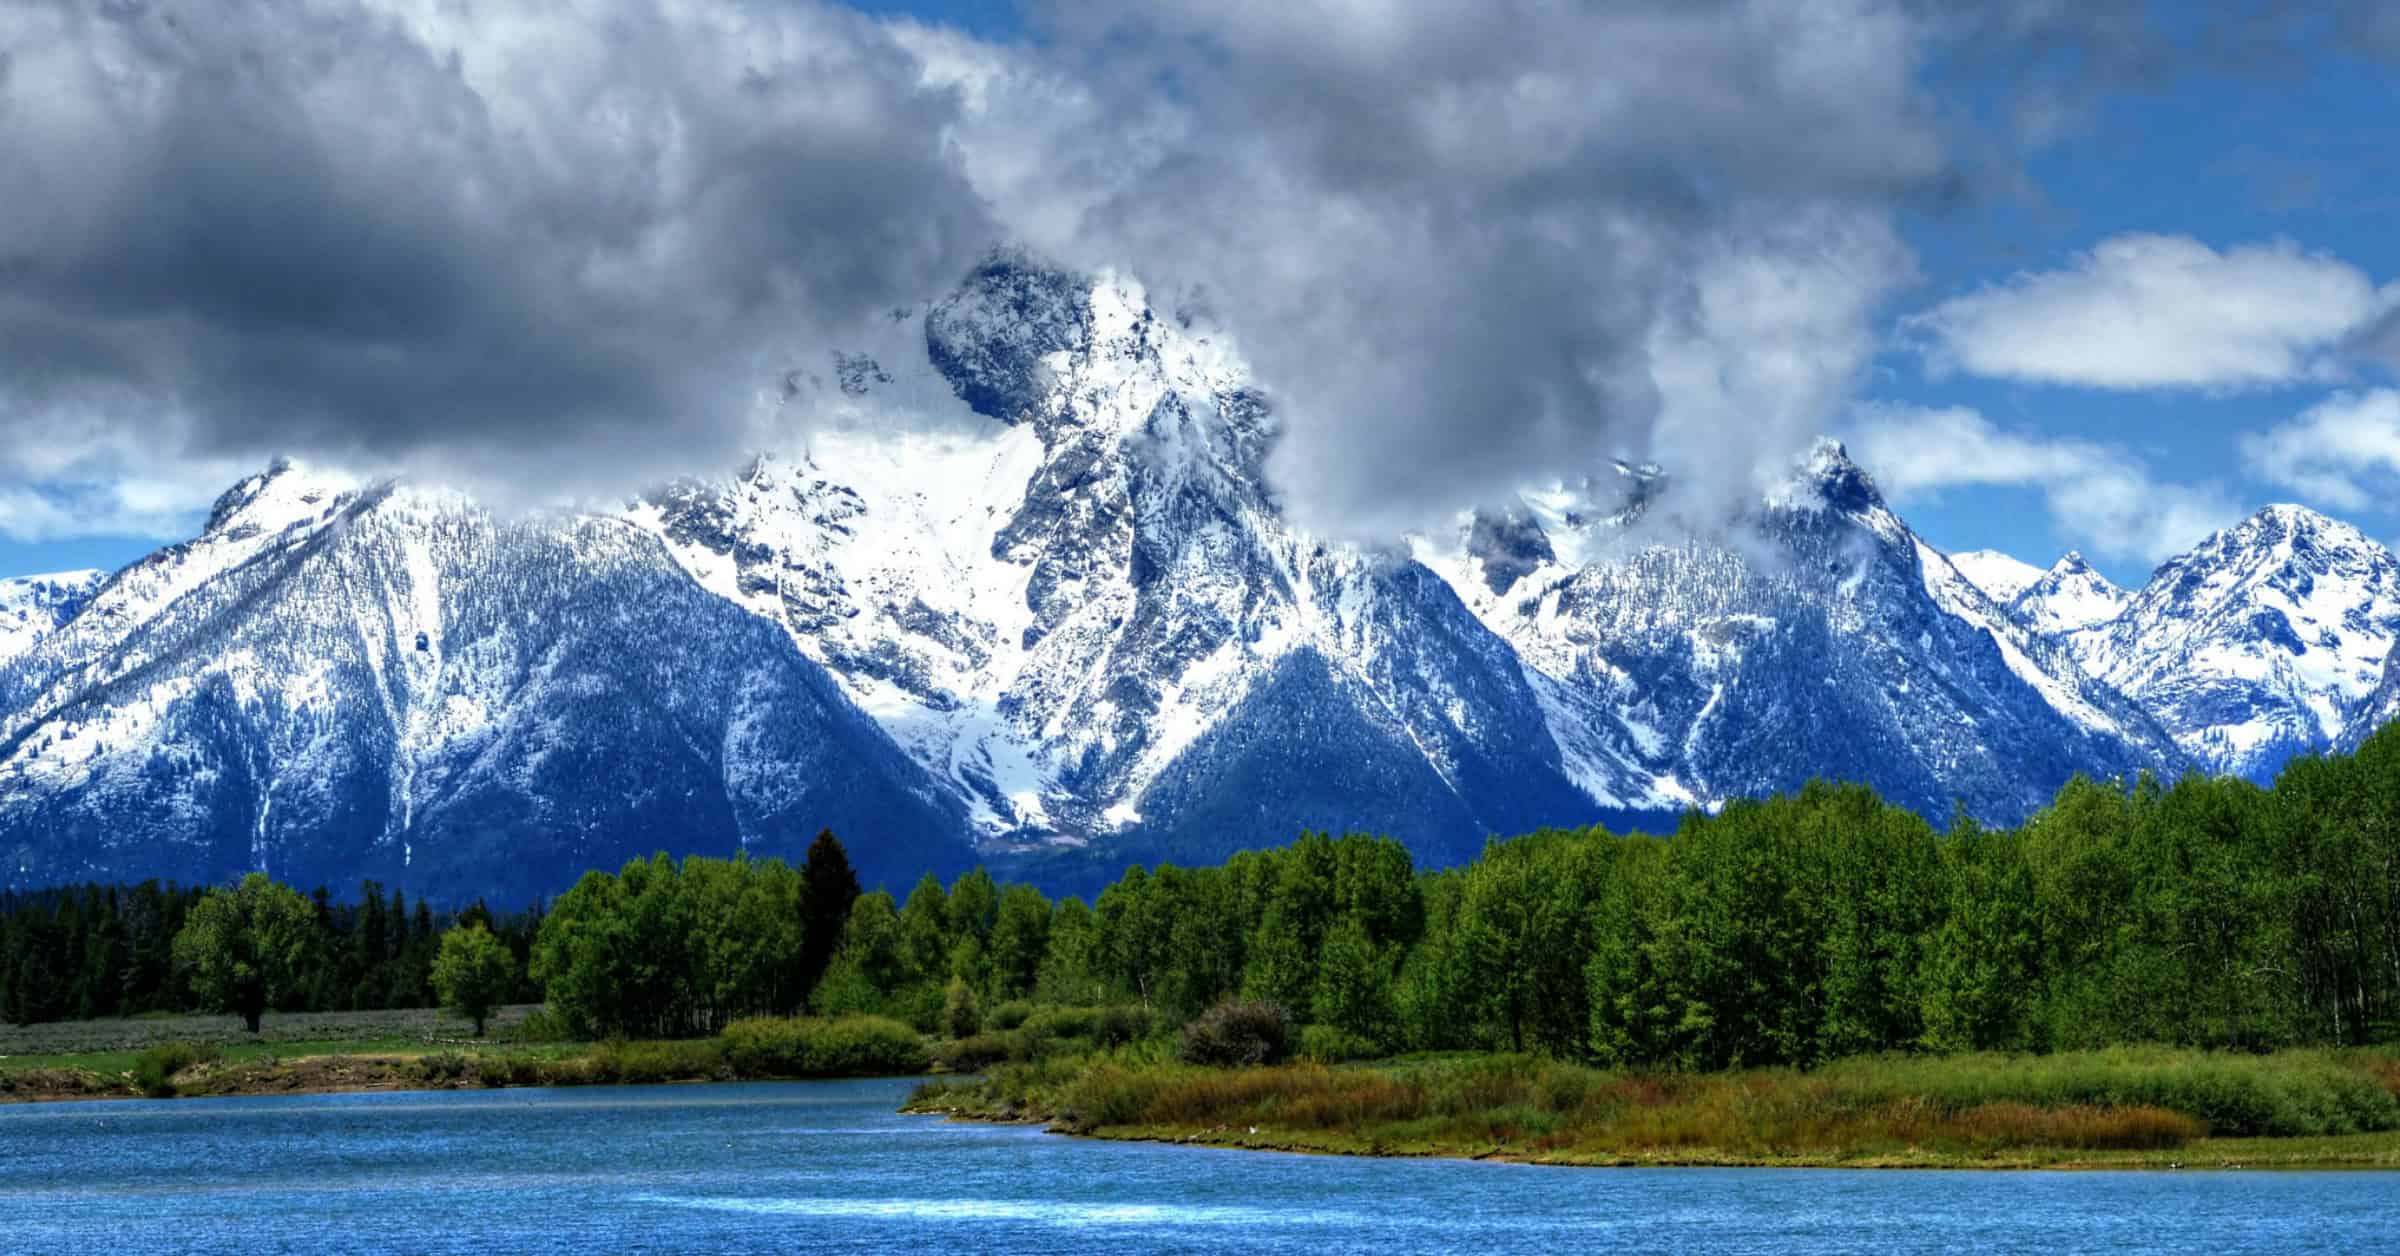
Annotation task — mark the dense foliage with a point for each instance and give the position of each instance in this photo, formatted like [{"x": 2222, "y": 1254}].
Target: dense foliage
[
  {"x": 105, "y": 951},
  {"x": 664, "y": 950},
  {"x": 1789, "y": 931},
  {"x": 1794, "y": 930}
]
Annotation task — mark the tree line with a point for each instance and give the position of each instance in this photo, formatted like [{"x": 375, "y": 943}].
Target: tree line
[
  {"x": 97, "y": 951},
  {"x": 1782, "y": 931}
]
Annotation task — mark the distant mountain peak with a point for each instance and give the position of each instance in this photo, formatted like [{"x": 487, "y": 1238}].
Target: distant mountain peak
[
  {"x": 2070, "y": 597},
  {"x": 2261, "y": 642},
  {"x": 2001, "y": 576}
]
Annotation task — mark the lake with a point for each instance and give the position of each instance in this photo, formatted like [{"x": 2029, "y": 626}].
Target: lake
[{"x": 830, "y": 1166}]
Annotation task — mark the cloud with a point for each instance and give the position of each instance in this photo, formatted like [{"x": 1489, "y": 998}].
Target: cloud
[
  {"x": 1465, "y": 246},
  {"x": 2099, "y": 495},
  {"x": 577, "y": 246},
  {"x": 2344, "y": 451},
  {"x": 577, "y": 241},
  {"x": 2158, "y": 311}
]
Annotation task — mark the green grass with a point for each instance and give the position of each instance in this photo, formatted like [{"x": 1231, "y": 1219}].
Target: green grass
[
  {"x": 2134, "y": 1106},
  {"x": 48, "y": 1045},
  {"x": 847, "y": 1047}
]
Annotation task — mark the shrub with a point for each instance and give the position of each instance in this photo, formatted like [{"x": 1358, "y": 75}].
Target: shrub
[
  {"x": 1009, "y": 1015},
  {"x": 1330, "y": 1044},
  {"x": 851, "y": 1046},
  {"x": 155, "y": 1068},
  {"x": 1238, "y": 1033},
  {"x": 1100, "y": 1026},
  {"x": 441, "y": 1066},
  {"x": 977, "y": 1053}
]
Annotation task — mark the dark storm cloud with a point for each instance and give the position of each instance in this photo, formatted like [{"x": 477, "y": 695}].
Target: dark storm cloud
[{"x": 410, "y": 232}]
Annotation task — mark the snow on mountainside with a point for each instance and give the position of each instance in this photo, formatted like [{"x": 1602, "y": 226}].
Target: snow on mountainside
[
  {"x": 383, "y": 682},
  {"x": 2068, "y": 598},
  {"x": 2001, "y": 576},
  {"x": 32, "y": 607},
  {"x": 1023, "y": 583},
  {"x": 2259, "y": 644},
  {"x": 1081, "y": 607},
  {"x": 1848, "y": 648}
]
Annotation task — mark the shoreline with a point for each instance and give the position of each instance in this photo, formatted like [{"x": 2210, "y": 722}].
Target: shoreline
[
  {"x": 332, "y": 1074},
  {"x": 2360, "y": 1153}
]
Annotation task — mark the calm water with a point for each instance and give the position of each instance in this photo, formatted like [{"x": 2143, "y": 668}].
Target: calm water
[{"x": 829, "y": 1165}]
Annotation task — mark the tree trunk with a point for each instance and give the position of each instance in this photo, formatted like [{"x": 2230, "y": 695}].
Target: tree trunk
[{"x": 251, "y": 1019}]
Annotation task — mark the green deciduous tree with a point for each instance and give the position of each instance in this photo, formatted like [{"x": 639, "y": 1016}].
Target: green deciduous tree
[
  {"x": 473, "y": 973},
  {"x": 245, "y": 949}
]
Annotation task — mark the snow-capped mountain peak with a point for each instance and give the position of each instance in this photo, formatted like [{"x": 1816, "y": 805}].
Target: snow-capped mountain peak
[
  {"x": 2258, "y": 644},
  {"x": 2071, "y": 597},
  {"x": 2001, "y": 576}
]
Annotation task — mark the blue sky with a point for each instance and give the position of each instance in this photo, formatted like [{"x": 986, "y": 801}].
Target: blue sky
[
  {"x": 2220, "y": 221},
  {"x": 2227, "y": 160}
]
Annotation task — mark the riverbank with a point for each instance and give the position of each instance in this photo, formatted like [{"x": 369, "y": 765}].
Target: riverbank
[
  {"x": 752, "y": 1050},
  {"x": 2136, "y": 1108}
]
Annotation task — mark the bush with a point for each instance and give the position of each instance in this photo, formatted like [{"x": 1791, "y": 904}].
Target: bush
[
  {"x": 1238, "y": 1033},
  {"x": 975, "y": 1054},
  {"x": 851, "y": 1046},
  {"x": 1100, "y": 1026},
  {"x": 155, "y": 1068},
  {"x": 441, "y": 1066},
  {"x": 1331, "y": 1044},
  {"x": 1009, "y": 1015}
]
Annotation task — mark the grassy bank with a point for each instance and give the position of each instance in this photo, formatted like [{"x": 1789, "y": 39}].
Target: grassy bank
[
  {"x": 2126, "y": 1107},
  {"x": 858, "y": 1046}
]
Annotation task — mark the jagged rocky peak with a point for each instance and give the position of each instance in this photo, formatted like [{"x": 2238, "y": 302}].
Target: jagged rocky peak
[
  {"x": 993, "y": 337},
  {"x": 2070, "y": 597},
  {"x": 1510, "y": 544},
  {"x": 1837, "y": 478}
]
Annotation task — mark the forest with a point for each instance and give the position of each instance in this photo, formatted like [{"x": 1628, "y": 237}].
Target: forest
[{"x": 1793, "y": 930}]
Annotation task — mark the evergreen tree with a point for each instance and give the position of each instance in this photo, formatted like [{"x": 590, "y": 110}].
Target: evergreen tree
[{"x": 828, "y": 888}]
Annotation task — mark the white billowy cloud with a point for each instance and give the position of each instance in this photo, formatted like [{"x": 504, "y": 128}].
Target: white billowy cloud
[
  {"x": 2344, "y": 451},
  {"x": 2159, "y": 312},
  {"x": 2102, "y": 496}
]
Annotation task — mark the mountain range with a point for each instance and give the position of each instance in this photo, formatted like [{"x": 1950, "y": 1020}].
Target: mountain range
[{"x": 1024, "y": 592}]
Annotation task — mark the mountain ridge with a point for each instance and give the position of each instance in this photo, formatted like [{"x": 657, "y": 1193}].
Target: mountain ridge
[{"x": 1023, "y": 591}]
